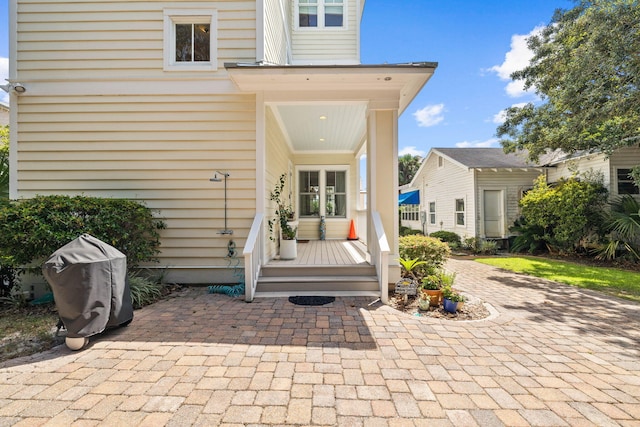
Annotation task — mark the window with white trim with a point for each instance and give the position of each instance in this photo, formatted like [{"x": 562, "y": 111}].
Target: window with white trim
[
  {"x": 190, "y": 40},
  {"x": 459, "y": 211},
  {"x": 432, "y": 213},
  {"x": 321, "y": 14},
  {"x": 322, "y": 191},
  {"x": 626, "y": 185},
  {"x": 410, "y": 212}
]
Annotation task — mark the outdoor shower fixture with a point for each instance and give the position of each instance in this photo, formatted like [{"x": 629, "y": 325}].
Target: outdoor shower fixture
[{"x": 217, "y": 179}]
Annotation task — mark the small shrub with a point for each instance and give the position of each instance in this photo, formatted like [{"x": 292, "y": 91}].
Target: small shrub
[
  {"x": 447, "y": 236},
  {"x": 406, "y": 231},
  {"x": 32, "y": 229},
  {"x": 470, "y": 244},
  {"x": 8, "y": 280},
  {"x": 144, "y": 291},
  {"x": 428, "y": 249},
  {"x": 488, "y": 247}
]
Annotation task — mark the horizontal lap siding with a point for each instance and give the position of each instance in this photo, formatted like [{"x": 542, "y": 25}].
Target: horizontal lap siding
[
  {"x": 275, "y": 42},
  {"x": 512, "y": 183},
  {"x": 327, "y": 44},
  {"x": 119, "y": 39},
  {"x": 158, "y": 149},
  {"x": 444, "y": 186}
]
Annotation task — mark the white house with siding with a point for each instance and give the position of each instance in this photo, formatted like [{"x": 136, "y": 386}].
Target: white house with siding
[
  {"x": 474, "y": 192},
  {"x": 4, "y": 114},
  {"x": 147, "y": 100},
  {"x": 613, "y": 169}
]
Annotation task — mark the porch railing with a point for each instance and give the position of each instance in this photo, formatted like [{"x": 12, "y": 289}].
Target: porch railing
[
  {"x": 379, "y": 249},
  {"x": 253, "y": 251}
]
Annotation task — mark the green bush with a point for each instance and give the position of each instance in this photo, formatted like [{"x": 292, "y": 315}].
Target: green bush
[
  {"x": 447, "y": 236},
  {"x": 144, "y": 291},
  {"x": 428, "y": 249},
  {"x": 406, "y": 231},
  {"x": 566, "y": 212},
  {"x": 32, "y": 229}
]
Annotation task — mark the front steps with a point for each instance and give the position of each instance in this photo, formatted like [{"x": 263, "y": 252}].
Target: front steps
[{"x": 319, "y": 280}]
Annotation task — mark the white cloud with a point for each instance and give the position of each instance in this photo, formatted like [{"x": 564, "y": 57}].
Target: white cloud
[
  {"x": 514, "y": 60},
  {"x": 413, "y": 151},
  {"x": 502, "y": 115},
  {"x": 430, "y": 115},
  {"x": 4, "y": 74},
  {"x": 478, "y": 144}
]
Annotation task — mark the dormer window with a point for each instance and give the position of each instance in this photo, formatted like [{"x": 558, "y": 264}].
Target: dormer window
[{"x": 321, "y": 13}]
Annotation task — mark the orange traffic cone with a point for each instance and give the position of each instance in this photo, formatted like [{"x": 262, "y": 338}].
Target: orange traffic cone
[{"x": 352, "y": 232}]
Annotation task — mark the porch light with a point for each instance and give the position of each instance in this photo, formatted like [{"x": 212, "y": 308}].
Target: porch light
[
  {"x": 17, "y": 87},
  {"x": 321, "y": 139},
  {"x": 323, "y": 117}
]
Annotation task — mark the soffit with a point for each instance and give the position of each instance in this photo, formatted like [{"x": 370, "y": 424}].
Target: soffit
[
  {"x": 300, "y": 95},
  {"x": 322, "y": 127}
]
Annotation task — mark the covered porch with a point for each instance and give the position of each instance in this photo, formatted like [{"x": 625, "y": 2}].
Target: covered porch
[{"x": 330, "y": 131}]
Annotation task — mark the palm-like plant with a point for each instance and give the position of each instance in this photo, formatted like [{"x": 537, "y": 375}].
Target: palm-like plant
[
  {"x": 623, "y": 222},
  {"x": 409, "y": 265}
]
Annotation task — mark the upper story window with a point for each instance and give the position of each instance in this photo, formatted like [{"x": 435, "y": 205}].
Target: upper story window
[
  {"x": 626, "y": 184},
  {"x": 190, "y": 40},
  {"x": 320, "y": 13}
]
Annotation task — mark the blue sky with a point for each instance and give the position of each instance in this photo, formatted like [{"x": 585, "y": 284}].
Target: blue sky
[{"x": 476, "y": 43}]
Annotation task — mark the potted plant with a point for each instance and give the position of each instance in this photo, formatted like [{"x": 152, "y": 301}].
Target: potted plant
[
  {"x": 284, "y": 214},
  {"x": 432, "y": 286},
  {"x": 451, "y": 299},
  {"x": 434, "y": 282}
]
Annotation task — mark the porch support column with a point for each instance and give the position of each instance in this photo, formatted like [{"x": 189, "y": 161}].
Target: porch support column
[{"x": 382, "y": 177}]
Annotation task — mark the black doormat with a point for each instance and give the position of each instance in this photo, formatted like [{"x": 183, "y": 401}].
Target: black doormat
[{"x": 306, "y": 300}]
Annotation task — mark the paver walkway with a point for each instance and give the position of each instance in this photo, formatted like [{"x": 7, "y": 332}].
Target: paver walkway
[{"x": 553, "y": 356}]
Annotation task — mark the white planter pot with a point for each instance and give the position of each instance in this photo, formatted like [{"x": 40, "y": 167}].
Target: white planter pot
[{"x": 288, "y": 249}]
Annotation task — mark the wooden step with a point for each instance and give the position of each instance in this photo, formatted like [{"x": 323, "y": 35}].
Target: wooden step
[{"x": 317, "y": 270}]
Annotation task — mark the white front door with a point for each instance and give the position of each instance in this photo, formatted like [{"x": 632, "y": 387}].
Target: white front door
[{"x": 493, "y": 212}]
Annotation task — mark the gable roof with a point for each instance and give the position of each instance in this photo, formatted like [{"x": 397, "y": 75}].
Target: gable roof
[
  {"x": 479, "y": 158},
  {"x": 495, "y": 158}
]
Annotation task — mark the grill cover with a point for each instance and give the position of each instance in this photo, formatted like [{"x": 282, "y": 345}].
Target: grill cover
[{"x": 88, "y": 280}]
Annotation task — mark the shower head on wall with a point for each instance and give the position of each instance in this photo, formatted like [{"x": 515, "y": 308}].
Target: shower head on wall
[{"x": 218, "y": 179}]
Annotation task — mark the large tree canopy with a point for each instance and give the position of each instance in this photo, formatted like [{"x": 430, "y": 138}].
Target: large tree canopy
[{"x": 586, "y": 70}]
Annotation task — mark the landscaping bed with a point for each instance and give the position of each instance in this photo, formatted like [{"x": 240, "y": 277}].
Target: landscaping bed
[{"x": 472, "y": 309}]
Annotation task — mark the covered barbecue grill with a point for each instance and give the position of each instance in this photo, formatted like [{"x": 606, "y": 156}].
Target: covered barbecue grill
[{"x": 88, "y": 280}]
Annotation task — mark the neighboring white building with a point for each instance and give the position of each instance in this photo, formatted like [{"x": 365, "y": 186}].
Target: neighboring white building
[
  {"x": 148, "y": 99},
  {"x": 4, "y": 114},
  {"x": 474, "y": 192}
]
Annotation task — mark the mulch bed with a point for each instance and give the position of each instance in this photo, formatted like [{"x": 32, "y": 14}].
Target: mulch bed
[{"x": 472, "y": 309}]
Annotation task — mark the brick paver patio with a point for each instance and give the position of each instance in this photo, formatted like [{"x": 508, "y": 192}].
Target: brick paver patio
[{"x": 552, "y": 356}]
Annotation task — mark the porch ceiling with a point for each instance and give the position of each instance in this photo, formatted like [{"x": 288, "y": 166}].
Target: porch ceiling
[
  {"x": 324, "y": 108},
  {"x": 322, "y": 127}
]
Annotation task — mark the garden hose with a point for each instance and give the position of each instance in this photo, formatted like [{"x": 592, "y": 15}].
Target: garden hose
[{"x": 238, "y": 273}]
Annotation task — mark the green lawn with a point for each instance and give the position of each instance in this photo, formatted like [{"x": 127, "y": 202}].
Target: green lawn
[{"x": 621, "y": 283}]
